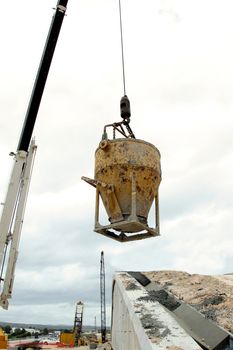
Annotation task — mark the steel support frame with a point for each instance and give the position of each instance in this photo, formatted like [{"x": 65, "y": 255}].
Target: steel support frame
[
  {"x": 121, "y": 226},
  {"x": 78, "y": 321},
  {"x": 12, "y": 218}
]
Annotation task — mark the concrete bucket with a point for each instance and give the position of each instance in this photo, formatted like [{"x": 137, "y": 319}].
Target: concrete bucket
[{"x": 127, "y": 177}]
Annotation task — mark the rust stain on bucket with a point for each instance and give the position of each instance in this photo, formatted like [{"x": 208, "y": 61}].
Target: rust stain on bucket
[{"x": 116, "y": 163}]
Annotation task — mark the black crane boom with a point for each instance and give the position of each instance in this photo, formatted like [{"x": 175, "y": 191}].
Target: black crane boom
[{"x": 41, "y": 77}]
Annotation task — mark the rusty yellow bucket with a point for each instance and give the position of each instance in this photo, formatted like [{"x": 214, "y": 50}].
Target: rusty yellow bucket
[{"x": 127, "y": 178}]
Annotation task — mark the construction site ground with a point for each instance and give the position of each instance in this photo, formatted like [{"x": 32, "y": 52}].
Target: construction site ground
[
  {"x": 212, "y": 296},
  {"x": 87, "y": 347},
  {"x": 99, "y": 347}
]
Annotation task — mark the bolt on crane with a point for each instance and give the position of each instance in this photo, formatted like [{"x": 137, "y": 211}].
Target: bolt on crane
[{"x": 15, "y": 202}]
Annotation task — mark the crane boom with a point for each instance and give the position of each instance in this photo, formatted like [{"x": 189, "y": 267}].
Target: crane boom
[
  {"x": 42, "y": 75},
  {"x": 12, "y": 218},
  {"x": 15, "y": 202}
]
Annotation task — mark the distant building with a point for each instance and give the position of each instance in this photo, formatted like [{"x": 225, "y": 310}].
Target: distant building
[{"x": 30, "y": 330}]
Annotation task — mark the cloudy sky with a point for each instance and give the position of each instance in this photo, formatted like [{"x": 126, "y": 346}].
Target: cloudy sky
[{"x": 179, "y": 78}]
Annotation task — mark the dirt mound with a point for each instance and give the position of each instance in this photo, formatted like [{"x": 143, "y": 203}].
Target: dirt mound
[{"x": 212, "y": 296}]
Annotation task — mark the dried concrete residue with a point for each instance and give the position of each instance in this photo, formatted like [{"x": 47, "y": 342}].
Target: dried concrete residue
[
  {"x": 206, "y": 308},
  {"x": 127, "y": 282},
  {"x": 132, "y": 286},
  {"x": 138, "y": 308},
  {"x": 163, "y": 298},
  {"x": 214, "y": 300},
  {"x": 203, "y": 292},
  {"x": 153, "y": 327}
]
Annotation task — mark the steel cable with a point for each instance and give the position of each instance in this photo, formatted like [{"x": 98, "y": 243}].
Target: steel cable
[{"x": 122, "y": 48}]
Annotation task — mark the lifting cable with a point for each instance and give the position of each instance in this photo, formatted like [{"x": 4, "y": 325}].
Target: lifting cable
[
  {"x": 122, "y": 49},
  {"x": 124, "y": 103}
]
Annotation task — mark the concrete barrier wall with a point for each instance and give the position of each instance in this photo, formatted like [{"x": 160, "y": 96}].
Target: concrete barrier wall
[{"x": 141, "y": 324}]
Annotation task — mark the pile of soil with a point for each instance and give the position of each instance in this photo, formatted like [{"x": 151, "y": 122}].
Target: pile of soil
[{"x": 212, "y": 296}]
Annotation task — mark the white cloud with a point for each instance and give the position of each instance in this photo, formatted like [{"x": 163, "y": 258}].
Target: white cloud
[{"x": 179, "y": 75}]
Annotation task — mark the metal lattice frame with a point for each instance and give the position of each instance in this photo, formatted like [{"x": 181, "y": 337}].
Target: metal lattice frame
[
  {"x": 78, "y": 321},
  {"x": 102, "y": 298}
]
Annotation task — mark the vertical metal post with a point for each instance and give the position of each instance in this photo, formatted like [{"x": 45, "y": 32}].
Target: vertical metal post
[
  {"x": 157, "y": 213},
  {"x": 102, "y": 298},
  {"x": 97, "y": 206},
  {"x": 133, "y": 214}
]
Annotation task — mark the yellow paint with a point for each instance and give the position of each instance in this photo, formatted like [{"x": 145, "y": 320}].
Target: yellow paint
[
  {"x": 67, "y": 338},
  {"x": 3, "y": 340}
]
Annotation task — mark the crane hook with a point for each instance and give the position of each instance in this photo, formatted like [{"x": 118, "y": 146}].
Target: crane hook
[{"x": 125, "y": 109}]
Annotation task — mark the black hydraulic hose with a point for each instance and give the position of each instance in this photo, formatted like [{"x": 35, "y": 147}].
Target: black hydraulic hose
[{"x": 41, "y": 77}]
